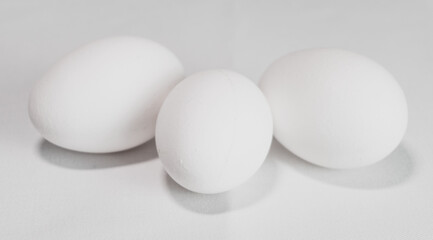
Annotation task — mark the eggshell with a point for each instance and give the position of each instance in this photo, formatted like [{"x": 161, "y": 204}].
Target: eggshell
[
  {"x": 104, "y": 96},
  {"x": 335, "y": 108},
  {"x": 214, "y": 131}
]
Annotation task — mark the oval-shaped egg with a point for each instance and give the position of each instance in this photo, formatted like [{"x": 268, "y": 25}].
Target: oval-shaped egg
[
  {"x": 104, "y": 96},
  {"x": 335, "y": 108},
  {"x": 214, "y": 131}
]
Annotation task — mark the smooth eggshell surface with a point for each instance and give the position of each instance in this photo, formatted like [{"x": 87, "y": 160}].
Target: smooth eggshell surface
[
  {"x": 335, "y": 108},
  {"x": 214, "y": 131},
  {"x": 104, "y": 96}
]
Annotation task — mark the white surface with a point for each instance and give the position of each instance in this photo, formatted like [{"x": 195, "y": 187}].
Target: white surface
[
  {"x": 214, "y": 131},
  {"x": 335, "y": 108},
  {"x": 49, "y": 193},
  {"x": 104, "y": 96}
]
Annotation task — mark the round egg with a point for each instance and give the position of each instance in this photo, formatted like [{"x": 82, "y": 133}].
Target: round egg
[
  {"x": 104, "y": 96},
  {"x": 335, "y": 108},
  {"x": 214, "y": 131}
]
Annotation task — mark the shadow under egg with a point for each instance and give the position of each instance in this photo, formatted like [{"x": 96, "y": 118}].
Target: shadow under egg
[
  {"x": 78, "y": 160},
  {"x": 256, "y": 188},
  {"x": 393, "y": 170}
]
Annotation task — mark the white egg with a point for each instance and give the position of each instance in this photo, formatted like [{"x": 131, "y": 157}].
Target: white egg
[
  {"x": 335, "y": 108},
  {"x": 214, "y": 131},
  {"x": 104, "y": 96}
]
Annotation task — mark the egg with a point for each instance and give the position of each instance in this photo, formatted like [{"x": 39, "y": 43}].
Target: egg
[
  {"x": 214, "y": 131},
  {"x": 335, "y": 108},
  {"x": 104, "y": 96}
]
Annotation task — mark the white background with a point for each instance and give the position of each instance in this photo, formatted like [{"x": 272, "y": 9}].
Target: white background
[{"x": 50, "y": 193}]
